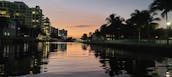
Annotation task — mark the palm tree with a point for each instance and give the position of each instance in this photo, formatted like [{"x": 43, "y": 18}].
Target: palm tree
[
  {"x": 113, "y": 19},
  {"x": 84, "y": 37},
  {"x": 115, "y": 24},
  {"x": 97, "y": 33},
  {"x": 142, "y": 21},
  {"x": 103, "y": 30},
  {"x": 162, "y": 5},
  {"x": 150, "y": 24},
  {"x": 137, "y": 21}
]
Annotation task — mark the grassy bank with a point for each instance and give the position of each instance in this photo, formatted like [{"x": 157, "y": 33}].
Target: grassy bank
[{"x": 134, "y": 45}]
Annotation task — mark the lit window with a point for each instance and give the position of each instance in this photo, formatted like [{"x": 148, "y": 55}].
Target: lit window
[
  {"x": 33, "y": 20},
  {"x": 3, "y": 12},
  {"x": 5, "y": 33},
  {"x": 17, "y": 14},
  {"x": 8, "y": 34},
  {"x": 33, "y": 12},
  {"x": 37, "y": 20},
  {"x": 46, "y": 23}
]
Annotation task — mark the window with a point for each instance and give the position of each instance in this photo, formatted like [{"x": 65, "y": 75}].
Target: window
[
  {"x": 37, "y": 20},
  {"x": 33, "y": 20},
  {"x": 33, "y": 12},
  {"x": 3, "y": 12},
  {"x": 17, "y": 14},
  {"x": 46, "y": 23}
]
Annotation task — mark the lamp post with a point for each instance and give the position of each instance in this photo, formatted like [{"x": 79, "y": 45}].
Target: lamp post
[{"x": 168, "y": 27}]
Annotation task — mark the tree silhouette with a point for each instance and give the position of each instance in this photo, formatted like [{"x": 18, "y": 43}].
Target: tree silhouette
[
  {"x": 115, "y": 25},
  {"x": 84, "y": 37},
  {"x": 150, "y": 24},
  {"x": 143, "y": 23},
  {"x": 103, "y": 30},
  {"x": 162, "y": 5}
]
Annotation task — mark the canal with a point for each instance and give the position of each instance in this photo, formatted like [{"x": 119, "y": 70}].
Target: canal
[{"x": 69, "y": 59}]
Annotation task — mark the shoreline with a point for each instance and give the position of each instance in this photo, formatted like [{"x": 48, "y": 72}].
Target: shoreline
[
  {"x": 133, "y": 46},
  {"x": 25, "y": 39}
]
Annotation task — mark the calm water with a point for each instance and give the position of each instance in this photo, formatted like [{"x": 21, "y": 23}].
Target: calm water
[{"x": 78, "y": 60}]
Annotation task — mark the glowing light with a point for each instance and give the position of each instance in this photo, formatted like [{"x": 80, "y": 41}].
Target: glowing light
[
  {"x": 3, "y": 12},
  {"x": 37, "y": 20},
  {"x": 46, "y": 24},
  {"x": 168, "y": 23},
  {"x": 17, "y": 14},
  {"x": 33, "y": 12},
  {"x": 33, "y": 20},
  {"x": 167, "y": 74}
]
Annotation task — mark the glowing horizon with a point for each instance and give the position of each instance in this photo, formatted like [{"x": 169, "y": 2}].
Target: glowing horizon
[{"x": 84, "y": 16}]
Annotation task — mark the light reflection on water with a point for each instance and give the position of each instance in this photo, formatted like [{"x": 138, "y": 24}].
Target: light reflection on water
[{"x": 61, "y": 59}]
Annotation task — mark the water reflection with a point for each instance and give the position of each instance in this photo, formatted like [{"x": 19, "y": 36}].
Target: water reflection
[
  {"x": 46, "y": 59},
  {"x": 122, "y": 63},
  {"x": 85, "y": 46},
  {"x": 21, "y": 58},
  {"x": 61, "y": 46}
]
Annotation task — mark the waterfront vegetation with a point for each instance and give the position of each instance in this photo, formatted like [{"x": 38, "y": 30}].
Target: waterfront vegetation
[{"x": 141, "y": 26}]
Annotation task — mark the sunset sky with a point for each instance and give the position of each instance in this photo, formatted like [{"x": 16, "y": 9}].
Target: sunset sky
[{"x": 84, "y": 16}]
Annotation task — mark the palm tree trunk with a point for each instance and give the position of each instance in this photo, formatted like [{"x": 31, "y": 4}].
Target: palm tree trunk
[
  {"x": 166, "y": 16},
  {"x": 148, "y": 31},
  {"x": 139, "y": 36}
]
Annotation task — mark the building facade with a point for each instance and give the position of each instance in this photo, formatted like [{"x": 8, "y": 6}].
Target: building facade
[
  {"x": 45, "y": 29},
  {"x": 26, "y": 21},
  {"x": 54, "y": 32},
  {"x": 37, "y": 17},
  {"x": 8, "y": 27},
  {"x": 18, "y": 12},
  {"x": 37, "y": 21},
  {"x": 63, "y": 34}
]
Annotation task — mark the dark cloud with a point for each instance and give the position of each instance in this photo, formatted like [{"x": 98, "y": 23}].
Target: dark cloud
[{"x": 81, "y": 26}]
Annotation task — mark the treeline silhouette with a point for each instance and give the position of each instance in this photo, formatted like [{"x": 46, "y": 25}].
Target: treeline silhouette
[{"x": 143, "y": 24}]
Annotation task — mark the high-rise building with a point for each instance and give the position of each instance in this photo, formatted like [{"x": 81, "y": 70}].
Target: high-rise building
[
  {"x": 37, "y": 21},
  {"x": 7, "y": 27},
  {"x": 6, "y": 9},
  {"x": 23, "y": 14},
  {"x": 18, "y": 11},
  {"x": 37, "y": 17},
  {"x": 29, "y": 22},
  {"x": 46, "y": 28}
]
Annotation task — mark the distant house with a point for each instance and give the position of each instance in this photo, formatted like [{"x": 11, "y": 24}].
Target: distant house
[
  {"x": 63, "y": 34},
  {"x": 53, "y": 32}
]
